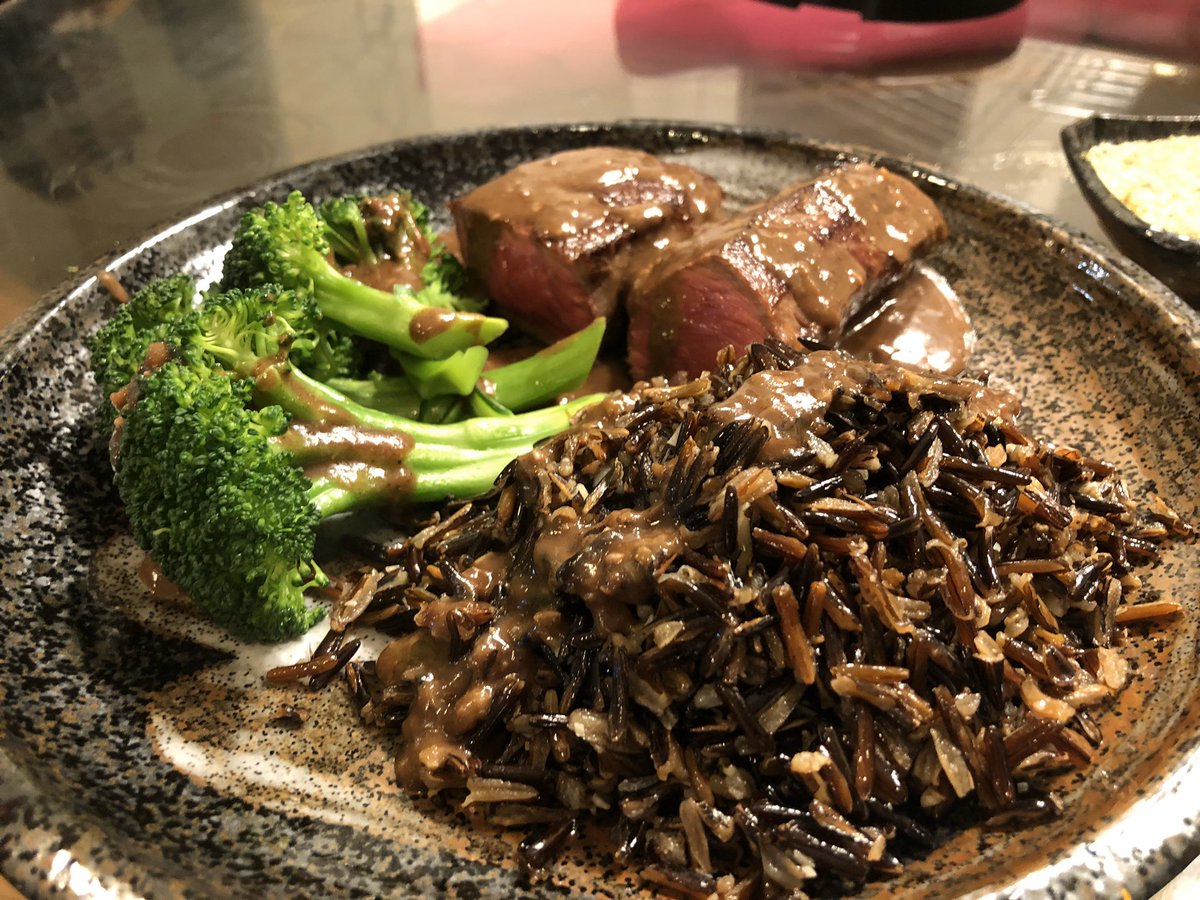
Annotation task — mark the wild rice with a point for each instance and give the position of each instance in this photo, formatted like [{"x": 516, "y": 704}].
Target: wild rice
[{"x": 775, "y": 652}]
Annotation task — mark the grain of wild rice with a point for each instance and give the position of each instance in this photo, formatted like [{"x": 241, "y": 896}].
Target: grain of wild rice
[{"x": 770, "y": 654}]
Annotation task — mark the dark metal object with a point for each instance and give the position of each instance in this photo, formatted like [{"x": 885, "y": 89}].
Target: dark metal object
[{"x": 912, "y": 10}]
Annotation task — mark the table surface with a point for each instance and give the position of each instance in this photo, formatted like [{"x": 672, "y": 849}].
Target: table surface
[{"x": 120, "y": 114}]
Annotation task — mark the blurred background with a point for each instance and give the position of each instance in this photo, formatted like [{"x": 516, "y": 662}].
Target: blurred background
[{"x": 119, "y": 114}]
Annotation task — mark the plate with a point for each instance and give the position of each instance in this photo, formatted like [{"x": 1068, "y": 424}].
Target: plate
[
  {"x": 136, "y": 763},
  {"x": 1174, "y": 259}
]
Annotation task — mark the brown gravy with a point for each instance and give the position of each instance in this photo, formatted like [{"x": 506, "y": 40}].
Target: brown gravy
[
  {"x": 583, "y": 191},
  {"x": 159, "y": 585},
  {"x": 607, "y": 564},
  {"x": 789, "y": 402},
  {"x": 364, "y": 477},
  {"x": 433, "y": 321},
  {"x": 918, "y": 322},
  {"x": 385, "y": 274},
  {"x": 308, "y": 443}
]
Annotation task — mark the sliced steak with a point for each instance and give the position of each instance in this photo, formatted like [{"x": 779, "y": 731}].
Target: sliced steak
[
  {"x": 551, "y": 239},
  {"x": 795, "y": 266}
]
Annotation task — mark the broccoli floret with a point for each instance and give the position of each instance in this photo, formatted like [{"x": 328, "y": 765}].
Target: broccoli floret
[
  {"x": 362, "y": 232},
  {"x": 443, "y": 278},
  {"x": 216, "y": 494},
  {"x": 285, "y": 244},
  {"x": 251, "y": 332},
  {"x": 396, "y": 227},
  {"x": 214, "y": 502},
  {"x": 335, "y": 354},
  {"x": 119, "y": 347},
  {"x": 226, "y": 497},
  {"x": 346, "y": 231}
]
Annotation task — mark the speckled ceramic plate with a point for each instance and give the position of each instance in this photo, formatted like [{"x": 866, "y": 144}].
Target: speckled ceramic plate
[{"x": 138, "y": 763}]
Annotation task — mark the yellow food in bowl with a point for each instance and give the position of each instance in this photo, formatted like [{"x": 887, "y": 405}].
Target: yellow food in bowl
[{"x": 1158, "y": 180}]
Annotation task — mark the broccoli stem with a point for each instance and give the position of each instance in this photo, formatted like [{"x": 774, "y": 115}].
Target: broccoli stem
[
  {"x": 346, "y": 231},
  {"x": 561, "y": 367},
  {"x": 386, "y": 393},
  {"x": 455, "y": 375},
  {"x": 309, "y": 445},
  {"x": 364, "y": 485},
  {"x": 519, "y": 386},
  {"x": 309, "y": 400},
  {"x": 396, "y": 319}
]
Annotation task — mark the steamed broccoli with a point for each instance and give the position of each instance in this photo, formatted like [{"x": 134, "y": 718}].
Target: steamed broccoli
[
  {"x": 346, "y": 231},
  {"x": 286, "y": 244},
  {"x": 443, "y": 278},
  {"x": 232, "y": 440},
  {"x": 367, "y": 231},
  {"x": 251, "y": 333},
  {"x": 386, "y": 393},
  {"x": 552, "y": 371},
  {"x": 396, "y": 227},
  {"x": 226, "y": 497},
  {"x": 211, "y": 499},
  {"x": 120, "y": 345},
  {"x": 516, "y": 387},
  {"x": 335, "y": 354}
]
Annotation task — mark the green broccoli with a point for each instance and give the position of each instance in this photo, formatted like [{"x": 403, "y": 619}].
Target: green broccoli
[
  {"x": 286, "y": 244},
  {"x": 549, "y": 373},
  {"x": 346, "y": 231},
  {"x": 365, "y": 231},
  {"x": 335, "y": 354},
  {"x": 386, "y": 393},
  {"x": 252, "y": 332},
  {"x": 443, "y": 279},
  {"x": 516, "y": 387},
  {"x": 226, "y": 497},
  {"x": 119, "y": 347},
  {"x": 212, "y": 500}
]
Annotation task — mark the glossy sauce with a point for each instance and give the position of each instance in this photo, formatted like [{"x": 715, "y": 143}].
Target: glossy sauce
[
  {"x": 608, "y": 564},
  {"x": 919, "y": 322},
  {"x": 868, "y": 221},
  {"x": 375, "y": 446},
  {"x": 432, "y": 321},
  {"x": 597, "y": 189},
  {"x": 159, "y": 585},
  {"x": 312, "y": 406},
  {"x": 797, "y": 265},
  {"x": 364, "y": 478},
  {"x": 789, "y": 402},
  {"x": 385, "y": 274}
]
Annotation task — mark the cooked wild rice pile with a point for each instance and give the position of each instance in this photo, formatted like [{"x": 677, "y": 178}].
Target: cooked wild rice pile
[{"x": 763, "y": 637}]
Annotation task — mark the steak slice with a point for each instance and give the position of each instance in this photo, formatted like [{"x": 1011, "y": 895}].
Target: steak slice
[
  {"x": 796, "y": 266},
  {"x": 551, "y": 239}
]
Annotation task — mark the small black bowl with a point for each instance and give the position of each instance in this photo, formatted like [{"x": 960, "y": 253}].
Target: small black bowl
[{"x": 1172, "y": 258}]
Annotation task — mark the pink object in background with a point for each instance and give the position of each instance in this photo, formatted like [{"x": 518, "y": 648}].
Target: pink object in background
[
  {"x": 657, "y": 36},
  {"x": 1160, "y": 26}
]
